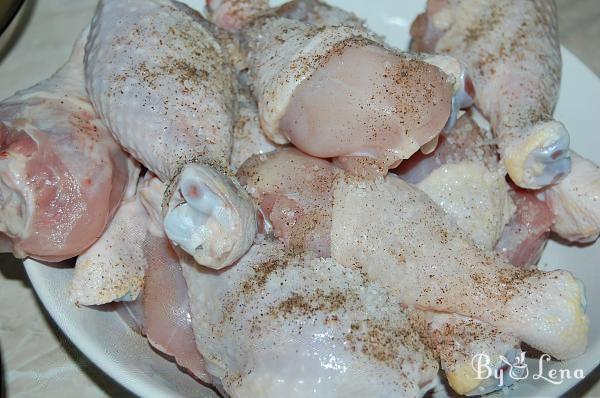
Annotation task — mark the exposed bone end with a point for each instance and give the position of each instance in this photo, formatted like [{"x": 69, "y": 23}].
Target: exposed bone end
[
  {"x": 464, "y": 91},
  {"x": 542, "y": 158},
  {"x": 209, "y": 216},
  {"x": 430, "y": 146}
]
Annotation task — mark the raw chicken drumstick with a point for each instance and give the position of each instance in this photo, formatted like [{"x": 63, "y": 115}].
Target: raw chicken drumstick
[
  {"x": 62, "y": 175},
  {"x": 511, "y": 49},
  {"x": 294, "y": 192},
  {"x": 397, "y": 235},
  {"x": 163, "y": 84},
  {"x": 336, "y": 92},
  {"x": 281, "y": 325}
]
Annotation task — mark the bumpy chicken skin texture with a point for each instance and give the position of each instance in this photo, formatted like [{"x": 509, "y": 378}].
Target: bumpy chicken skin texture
[
  {"x": 163, "y": 83},
  {"x": 512, "y": 51},
  {"x": 168, "y": 91}
]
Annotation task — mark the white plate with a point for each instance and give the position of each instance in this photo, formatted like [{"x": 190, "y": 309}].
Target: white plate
[{"x": 126, "y": 357}]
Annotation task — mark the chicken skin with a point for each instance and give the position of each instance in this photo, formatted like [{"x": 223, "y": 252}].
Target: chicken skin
[
  {"x": 387, "y": 105},
  {"x": 62, "y": 175},
  {"x": 511, "y": 49},
  {"x": 316, "y": 328},
  {"x": 160, "y": 79}
]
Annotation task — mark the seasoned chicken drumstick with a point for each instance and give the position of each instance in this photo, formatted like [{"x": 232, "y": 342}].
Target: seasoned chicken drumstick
[
  {"x": 387, "y": 104},
  {"x": 278, "y": 324},
  {"x": 161, "y": 81},
  {"x": 62, "y": 175},
  {"x": 394, "y": 233},
  {"x": 294, "y": 192},
  {"x": 511, "y": 49},
  {"x": 398, "y": 236},
  {"x": 568, "y": 208}
]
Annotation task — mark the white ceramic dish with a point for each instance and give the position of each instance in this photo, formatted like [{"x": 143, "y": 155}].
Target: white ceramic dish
[{"x": 126, "y": 357}]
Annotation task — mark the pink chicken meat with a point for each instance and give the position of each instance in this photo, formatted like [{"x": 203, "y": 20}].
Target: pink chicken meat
[
  {"x": 62, "y": 175},
  {"x": 165, "y": 302},
  {"x": 167, "y": 321},
  {"x": 387, "y": 105},
  {"x": 526, "y": 234}
]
